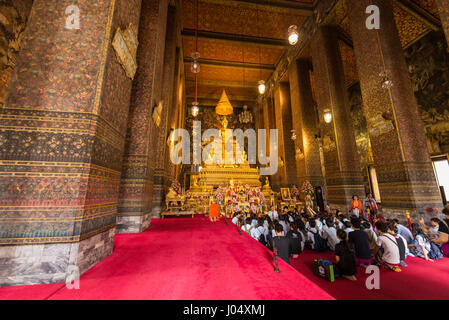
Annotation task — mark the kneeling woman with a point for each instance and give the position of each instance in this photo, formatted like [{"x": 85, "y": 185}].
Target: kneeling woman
[{"x": 346, "y": 265}]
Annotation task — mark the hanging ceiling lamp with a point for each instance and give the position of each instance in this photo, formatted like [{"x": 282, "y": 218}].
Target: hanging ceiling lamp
[
  {"x": 327, "y": 116},
  {"x": 224, "y": 107},
  {"x": 195, "y": 65},
  {"x": 293, "y": 34},
  {"x": 261, "y": 84}
]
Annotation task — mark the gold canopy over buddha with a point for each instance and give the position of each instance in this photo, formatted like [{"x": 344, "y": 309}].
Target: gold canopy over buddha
[{"x": 224, "y": 107}]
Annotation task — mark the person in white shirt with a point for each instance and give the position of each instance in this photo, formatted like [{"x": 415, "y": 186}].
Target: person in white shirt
[
  {"x": 390, "y": 257},
  {"x": 330, "y": 233},
  {"x": 273, "y": 214},
  {"x": 312, "y": 230},
  {"x": 254, "y": 221},
  {"x": 235, "y": 219},
  {"x": 283, "y": 222},
  {"x": 249, "y": 229}
]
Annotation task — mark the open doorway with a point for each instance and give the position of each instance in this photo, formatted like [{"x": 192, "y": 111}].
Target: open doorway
[{"x": 441, "y": 167}]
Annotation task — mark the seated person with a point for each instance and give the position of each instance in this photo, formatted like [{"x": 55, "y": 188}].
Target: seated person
[
  {"x": 249, "y": 229},
  {"x": 263, "y": 231},
  {"x": 347, "y": 227},
  {"x": 236, "y": 217},
  {"x": 254, "y": 221},
  {"x": 403, "y": 231},
  {"x": 388, "y": 252},
  {"x": 329, "y": 233},
  {"x": 345, "y": 257},
  {"x": 421, "y": 247},
  {"x": 281, "y": 244},
  {"x": 314, "y": 240},
  {"x": 283, "y": 221},
  {"x": 273, "y": 214},
  {"x": 359, "y": 239},
  {"x": 295, "y": 238},
  {"x": 402, "y": 243}
]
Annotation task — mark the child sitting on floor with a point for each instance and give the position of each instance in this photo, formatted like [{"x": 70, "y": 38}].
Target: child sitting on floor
[
  {"x": 345, "y": 257},
  {"x": 360, "y": 241},
  {"x": 388, "y": 253}
]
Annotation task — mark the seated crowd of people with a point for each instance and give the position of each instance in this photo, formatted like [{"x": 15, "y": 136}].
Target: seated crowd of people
[{"x": 356, "y": 240}]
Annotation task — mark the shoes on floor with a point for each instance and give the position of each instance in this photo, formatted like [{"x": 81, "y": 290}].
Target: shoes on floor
[{"x": 403, "y": 264}]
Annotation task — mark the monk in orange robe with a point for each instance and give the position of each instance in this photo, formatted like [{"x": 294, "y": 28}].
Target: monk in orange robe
[{"x": 214, "y": 212}]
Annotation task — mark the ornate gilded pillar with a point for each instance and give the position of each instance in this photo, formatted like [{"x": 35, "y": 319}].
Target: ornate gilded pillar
[
  {"x": 62, "y": 136},
  {"x": 136, "y": 187},
  {"x": 164, "y": 129},
  {"x": 443, "y": 8},
  {"x": 341, "y": 160},
  {"x": 304, "y": 121},
  {"x": 404, "y": 170},
  {"x": 286, "y": 147}
]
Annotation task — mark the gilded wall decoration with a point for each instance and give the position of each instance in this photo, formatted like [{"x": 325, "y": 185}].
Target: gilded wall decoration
[
  {"x": 125, "y": 45},
  {"x": 13, "y": 18}
]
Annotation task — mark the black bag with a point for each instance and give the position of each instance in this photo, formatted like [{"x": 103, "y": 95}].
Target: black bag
[{"x": 324, "y": 269}]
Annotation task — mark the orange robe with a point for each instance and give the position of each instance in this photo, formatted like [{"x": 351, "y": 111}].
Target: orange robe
[{"x": 214, "y": 211}]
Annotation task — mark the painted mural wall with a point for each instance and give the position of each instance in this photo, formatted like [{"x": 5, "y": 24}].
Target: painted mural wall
[{"x": 13, "y": 18}]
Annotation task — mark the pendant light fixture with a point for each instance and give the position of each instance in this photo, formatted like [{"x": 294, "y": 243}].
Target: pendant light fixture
[
  {"x": 195, "y": 65},
  {"x": 293, "y": 34},
  {"x": 261, "y": 84}
]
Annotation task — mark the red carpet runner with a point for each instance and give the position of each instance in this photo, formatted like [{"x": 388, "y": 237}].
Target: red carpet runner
[{"x": 182, "y": 258}]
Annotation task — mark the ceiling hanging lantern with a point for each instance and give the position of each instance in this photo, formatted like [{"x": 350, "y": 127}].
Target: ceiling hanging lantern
[
  {"x": 195, "y": 64},
  {"x": 327, "y": 116},
  {"x": 293, "y": 34},
  {"x": 261, "y": 86}
]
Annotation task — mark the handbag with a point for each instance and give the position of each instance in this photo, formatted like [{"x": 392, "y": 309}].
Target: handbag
[{"x": 324, "y": 269}]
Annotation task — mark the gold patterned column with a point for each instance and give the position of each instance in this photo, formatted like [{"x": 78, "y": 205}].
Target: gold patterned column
[
  {"x": 404, "y": 170},
  {"x": 62, "y": 136},
  {"x": 304, "y": 120},
  {"x": 341, "y": 160},
  {"x": 136, "y": 186}
]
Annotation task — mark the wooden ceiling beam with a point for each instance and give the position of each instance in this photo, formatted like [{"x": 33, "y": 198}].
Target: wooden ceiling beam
[
  {"x": 236, "y": 38},
  {"x": 281, "y": 6},
  {"x": 224, "y": 84},
  {"x": 217, "y": 97},
  {"x": 232, "y": 64}
]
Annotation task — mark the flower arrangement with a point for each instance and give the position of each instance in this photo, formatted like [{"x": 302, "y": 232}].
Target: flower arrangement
[
  {"x": 201, "y": 198},
  {"x": 261, "y": 198},
  {"x": 236, "y": 209},
  {"x": 253, "y": 208},
  {"x": 307, "y": 188},
  {"x": 176, "y": 186},
  {"x": 195, "y": 196},
  {"x": 188, "y": 194},
  {"x": 219, "y": 196},
  {"x": 251, "y": 200}
]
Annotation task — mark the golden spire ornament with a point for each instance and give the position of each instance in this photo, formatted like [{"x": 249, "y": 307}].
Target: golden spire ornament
[{"x": 224, "y": 107}]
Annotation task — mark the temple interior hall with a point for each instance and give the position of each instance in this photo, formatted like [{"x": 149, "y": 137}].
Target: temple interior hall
[{"x": 117, "y": 118}]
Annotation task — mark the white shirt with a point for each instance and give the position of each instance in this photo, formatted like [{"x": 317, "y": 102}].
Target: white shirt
[
  {"x": 331, "y": 235},
  {"x": 391, "y": 249},
  {"x": 235, "y": 220},
  {"x": 254, "y": 223},
  {"x": 273, "y": 215},
  {"x": 262, "y": 230},
  {"x": 284, "y": 225},
  {"x": 423, "y": 242},
  {"x": 253, "y": 231}
]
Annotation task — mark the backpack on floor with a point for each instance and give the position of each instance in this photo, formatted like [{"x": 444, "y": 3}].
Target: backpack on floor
[
  {"x": 320, "y": 243},
  {"x": 435, "y": 252}
]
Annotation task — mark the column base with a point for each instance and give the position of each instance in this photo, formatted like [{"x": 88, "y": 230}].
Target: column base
[
  {"x": 52, "y": 263},
  {"x": 133, "y": 224},
  {"x": 341, "y": 187}
]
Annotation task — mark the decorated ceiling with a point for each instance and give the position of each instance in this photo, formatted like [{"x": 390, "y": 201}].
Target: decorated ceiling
[{"x": 240, "y": 42}]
